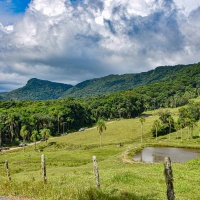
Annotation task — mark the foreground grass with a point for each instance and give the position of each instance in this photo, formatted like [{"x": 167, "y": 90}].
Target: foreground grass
[{"x": 70, "y": 167}]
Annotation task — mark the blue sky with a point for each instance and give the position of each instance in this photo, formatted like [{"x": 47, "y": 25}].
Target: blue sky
[
  {"x": 70, "y": 41},
  {"x": 18, "y": 6},
  {"x": 12, "y": 10}
]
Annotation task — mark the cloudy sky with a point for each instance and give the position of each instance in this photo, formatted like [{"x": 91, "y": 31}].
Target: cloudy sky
[{"x": 70, "y": 41}]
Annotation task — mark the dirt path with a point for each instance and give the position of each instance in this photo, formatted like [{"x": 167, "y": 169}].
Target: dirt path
[
  {"x": 14, "y": 148},
  {"x": 125, "y": 158}
]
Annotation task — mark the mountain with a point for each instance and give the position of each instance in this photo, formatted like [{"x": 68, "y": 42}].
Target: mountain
[
  {"x": 114, "y": 83},
  {"x": 37, "y": 89}
]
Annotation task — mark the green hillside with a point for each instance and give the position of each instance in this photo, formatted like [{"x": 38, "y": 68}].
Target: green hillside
[
  {"x": 36, "y": 89},
  {"x": 113, "y": 83},
  {"x": 179, "y": 75}
]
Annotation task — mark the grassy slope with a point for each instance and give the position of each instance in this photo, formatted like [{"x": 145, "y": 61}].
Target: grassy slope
[{"x": 70, "y": 168}]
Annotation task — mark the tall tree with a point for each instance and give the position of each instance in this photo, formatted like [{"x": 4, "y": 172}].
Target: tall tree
[
  {"x": 34, "y": 137},
  {"x": 101, "y": 126},
  {"x": 2, "y": 124},
  {"x": 188, "y": 123},
  {"x": 142, "y": 120},
  {"x": 24, "y": 133},
  {"x": 157, "y": 124},
  {"x": 191, "y": 127},
  {"x": 181, "y": 124},
  {"x": 177, "y": 127},
  {"x": 11, "y": 122},
  {"x": 45, "y": 134},
  {"x": 170, "y": 121}
]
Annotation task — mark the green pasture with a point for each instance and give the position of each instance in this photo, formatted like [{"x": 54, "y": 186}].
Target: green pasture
[{"x": 70, "y": 173}]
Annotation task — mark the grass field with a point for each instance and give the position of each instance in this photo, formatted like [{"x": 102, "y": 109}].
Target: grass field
[{"x": 70, "y": 167}]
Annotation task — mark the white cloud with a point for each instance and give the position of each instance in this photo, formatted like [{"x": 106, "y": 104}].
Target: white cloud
[
  {"x": 187, "y": 6},
  {"x": 71, "y": 42},
  {"x": 49, "y": 7}
]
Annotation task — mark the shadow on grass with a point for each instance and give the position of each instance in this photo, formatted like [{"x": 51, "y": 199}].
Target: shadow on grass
[
  {"x": 94, "y": 194},
  {"x": 195, "y": 137}
]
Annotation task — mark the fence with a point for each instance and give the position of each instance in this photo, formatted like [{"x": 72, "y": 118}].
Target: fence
[{"x": 170, "y": 194}]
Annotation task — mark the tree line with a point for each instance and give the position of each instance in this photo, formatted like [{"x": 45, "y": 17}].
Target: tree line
[
  {"x": 70, "y": 114},
  {"x": 29, "y": 119},
  {"x": 188, "y": 118}
]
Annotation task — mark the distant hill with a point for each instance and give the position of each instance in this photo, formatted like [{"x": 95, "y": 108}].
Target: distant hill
[
  {"x": 37, "y": 89},
  {"x": 114, "y": 83}
]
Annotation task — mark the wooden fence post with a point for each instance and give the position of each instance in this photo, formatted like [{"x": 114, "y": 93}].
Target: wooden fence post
[
  {"x": 169, "y": 178},
  {"x": 96, "y": 172},
  {"x": 43, "y": 162},
  {"x": 8, "y": 172}
]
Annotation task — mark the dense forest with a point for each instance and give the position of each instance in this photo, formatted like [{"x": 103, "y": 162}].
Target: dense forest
[
  {"x": 36, "y": 89},
  {"x": 20, "y": 119},
  {"x": 114, "y": 83}
]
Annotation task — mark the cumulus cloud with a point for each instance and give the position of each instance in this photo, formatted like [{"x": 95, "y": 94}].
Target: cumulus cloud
[{"x": 71, "y": 41}]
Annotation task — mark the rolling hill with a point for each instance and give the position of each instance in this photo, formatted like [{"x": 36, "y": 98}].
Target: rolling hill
[
  {"x": 36, "y": 89},
  {"x": 114, "y": 83}
]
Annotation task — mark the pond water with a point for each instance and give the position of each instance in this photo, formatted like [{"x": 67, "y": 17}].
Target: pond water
[{"x": 157, "y": 154}]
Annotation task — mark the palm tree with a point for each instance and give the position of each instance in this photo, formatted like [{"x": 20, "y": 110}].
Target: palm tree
[
  {"x": 157, "y": 125},
  {"x": 23, "y": 133},
  {"x": 191, "y": 127},
  {"x": 178, "y": 128},
  {"x": 142, "y": 120},
  {"x": 101, "y": 126},
  {"x": 170, "y": 121},
  {"x": 1, "y": 127},
  {"x": 34, "y": 137},
  {"x": 188, "y": 125},
  {"x": 181, "y": 123},
  {"x": 45, "y": 134},
  {"x": 11, "y": 122}
]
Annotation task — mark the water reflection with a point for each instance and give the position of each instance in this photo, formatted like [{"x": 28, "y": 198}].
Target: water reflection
[{"x": 157, "y": 154}]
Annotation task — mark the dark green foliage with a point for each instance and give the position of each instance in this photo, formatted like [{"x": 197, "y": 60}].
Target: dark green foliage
[
  {"x": 162, "y": 130},
  {"x": 180, "y": 83},
  {"x": 112, "y": 83},
  {"x": 65, "y": 114},
  {"x": 36, "y": 89},
  {"x": 39, "y": 115},
  {"x": 166, "y": 124},
  {"x": 7, "y": 104}
]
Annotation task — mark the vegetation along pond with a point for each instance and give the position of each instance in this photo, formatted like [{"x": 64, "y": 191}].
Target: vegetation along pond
[{"x": 157, "y": 154}]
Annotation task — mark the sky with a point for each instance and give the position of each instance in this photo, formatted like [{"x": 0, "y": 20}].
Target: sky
[{"x": 70, "y": 41}]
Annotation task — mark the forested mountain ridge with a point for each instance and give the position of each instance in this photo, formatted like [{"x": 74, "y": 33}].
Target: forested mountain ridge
[
  {"x": 114, "y": 83},
  {"x": 37, "y": 89}
]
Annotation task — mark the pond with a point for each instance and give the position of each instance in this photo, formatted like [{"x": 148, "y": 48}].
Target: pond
[{"x": 157, "y": 154}]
